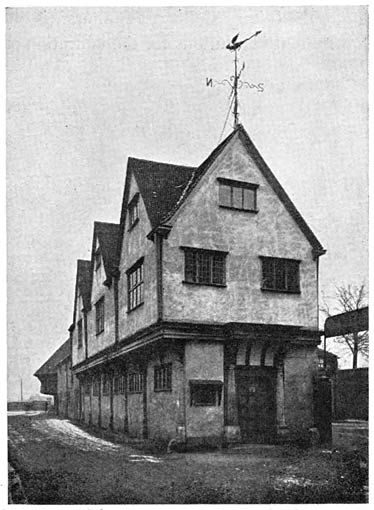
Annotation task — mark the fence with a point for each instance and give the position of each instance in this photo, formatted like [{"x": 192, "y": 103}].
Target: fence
[{"x": 350, "y": 390}]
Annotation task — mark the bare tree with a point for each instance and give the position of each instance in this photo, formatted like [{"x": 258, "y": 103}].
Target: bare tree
[{"x": 348, "y": 299}]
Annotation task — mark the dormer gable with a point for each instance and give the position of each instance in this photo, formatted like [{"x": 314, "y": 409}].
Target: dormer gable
[
  {"x": 103, "y": 255},
  {"x": 82, "y": 293},
  {"x": 158, "y": 185},
  {"x": 242, "y": 195}
]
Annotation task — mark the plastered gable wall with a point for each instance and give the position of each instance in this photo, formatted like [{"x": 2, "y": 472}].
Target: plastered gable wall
[
  {"x": 99, "y": 342},
  {"x": 78, "y": 354},
  {"x": 201, "y": 223},
  {"x": 134, "y": 246}
]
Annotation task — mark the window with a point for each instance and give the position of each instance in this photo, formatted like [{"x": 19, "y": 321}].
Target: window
[
  {"x": 135, "y": 382},
  {"x": 205, "y": 393},
  {"x": 100, "y": 316},
  {"x": 237, "y": 195},
  {"x": 206, "y": 267},
  {"x": 133, "y": 209},
  {"x": 163, "y": 378},
  {"x": 119, "y": 384},
  {"x": 97, "y": 259},
  {"x": 80, "y": 333},
  {"x": 280, "y": 275},
  {"x": 106, "y": 384},
  {"x": 87, "y": 387},
  {"x": 96, "y": 387},
  {"x": 135, "y": 285}
]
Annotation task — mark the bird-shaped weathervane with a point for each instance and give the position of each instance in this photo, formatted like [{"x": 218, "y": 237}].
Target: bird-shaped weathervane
[{"x": 235, "y": 44}]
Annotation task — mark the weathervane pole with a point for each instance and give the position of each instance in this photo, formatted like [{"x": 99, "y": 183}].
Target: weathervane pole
[
  {"x": 236, "y": 114},
  {"x": 235, "y": 46}
]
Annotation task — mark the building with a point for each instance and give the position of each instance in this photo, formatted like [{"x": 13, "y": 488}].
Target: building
[
  {"x": 50, "y": 376},
  {"x": 196, "y": 318}
]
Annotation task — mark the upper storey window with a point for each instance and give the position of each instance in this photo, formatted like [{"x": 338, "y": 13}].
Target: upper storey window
[
  {"x": 237, "y": 195},
  {"x": 204, "y": 267},
  {"x": 100, "y": 316},
  {"x": 280, "y": 275},
  {"x": 80, "y": 333},
  {"x": 135, "y": 285},
  {"x": 133, "y": 210}
]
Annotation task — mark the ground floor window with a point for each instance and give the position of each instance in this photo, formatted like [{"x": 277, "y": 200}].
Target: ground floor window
[
  {"x": 205, "y": 393},
  {"x": 87, "y": 387},
  {"x": 119, "y": 384},
  {"x": 162, "y": 376},
  {"x": 106, "y": 384},
  {"x": 135, "y": 382},
  {"x": 96, "y": 387}
]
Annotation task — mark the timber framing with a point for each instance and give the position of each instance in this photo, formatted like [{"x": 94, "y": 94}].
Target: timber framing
[{"x": 179, "y": 331}]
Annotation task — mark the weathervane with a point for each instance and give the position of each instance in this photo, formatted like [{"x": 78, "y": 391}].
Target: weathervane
[{"x": 235, "y": 82}]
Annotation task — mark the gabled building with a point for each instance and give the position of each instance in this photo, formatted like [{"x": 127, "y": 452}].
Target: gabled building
[
  {"x": 51, "y": 378},
  {"x": 201, "y": 319}
]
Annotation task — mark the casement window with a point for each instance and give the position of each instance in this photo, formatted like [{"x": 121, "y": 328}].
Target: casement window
[
  {"x": 237, "y": 195},
  {"x": 119, "y": 384},
  {"x": 204, "y": 267},
  {"x": 96, "y": 387},
  {"x": 87, "y": 387},
  {"x": 100, "y": 312},
  {"x": 133, "y": 211},
  {"x": 106, "y": 384},
  {"x": 135, "y": 285},
  {"x": 162, "y": 377},
  {"x": 280, "y": 275},
  {"x": 205, "y": 393},
  {"x": 135, "y": 382},
  {"x": 97, "y": 259},
  {"x": 80, "y": 333}
]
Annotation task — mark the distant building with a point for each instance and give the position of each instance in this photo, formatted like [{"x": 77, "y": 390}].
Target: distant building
[
  {"x": 331, "y": 362},
  {"x": 196, "y": 318}
]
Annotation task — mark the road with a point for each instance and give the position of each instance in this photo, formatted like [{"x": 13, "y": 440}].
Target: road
[{"x": 61, "y": 463}]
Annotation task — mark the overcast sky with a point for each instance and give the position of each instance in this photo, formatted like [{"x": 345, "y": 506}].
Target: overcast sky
[{"x": 88, "y": 87}]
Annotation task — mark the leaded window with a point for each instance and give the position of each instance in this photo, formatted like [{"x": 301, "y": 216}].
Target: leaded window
[
  {"x": 135, "y": 282},
  {"x": 280, "y": 275},
  {"x": 205, "y": 267},
  {"x": 163, "y": 377}
]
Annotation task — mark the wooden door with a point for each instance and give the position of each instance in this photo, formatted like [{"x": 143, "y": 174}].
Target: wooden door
[{"x": 256, "y": 403}]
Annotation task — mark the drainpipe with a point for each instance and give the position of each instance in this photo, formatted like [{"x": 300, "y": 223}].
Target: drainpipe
[{"x": 160, "y": 304}]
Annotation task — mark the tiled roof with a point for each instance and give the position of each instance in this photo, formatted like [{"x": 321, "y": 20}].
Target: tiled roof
[
  {"x": 84, "y": 281},
  {"x": 57, "y": 357},
  {"x": 107, "y": 234},
  {"x": 160, "y": 185}
]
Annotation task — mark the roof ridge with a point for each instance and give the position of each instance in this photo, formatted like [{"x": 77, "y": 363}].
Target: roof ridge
[{"x": 160, "y": 162}]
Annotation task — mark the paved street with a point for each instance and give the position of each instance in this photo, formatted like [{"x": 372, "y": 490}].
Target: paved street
[{"x": 60, "y": 463}]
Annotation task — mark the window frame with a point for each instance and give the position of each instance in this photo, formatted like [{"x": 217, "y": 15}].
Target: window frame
[
  {"x": 133, "y": 207},
  {"x": 100, "y": 317},
  {"x": 163, "y": 377},
  {"x": 198, "y": 385},
  {"x": 136, "y": 290},
  {"x": 200, "y": 266},
  {"x": 289, "y": 264},
  {"x": 80, "y": 333},
  {"x": 106, "y": 385},
  {"x": 238, "y": 185},
  {"x": 135, "y": 382},
  {"x": 96, "y": 387},
  {"x": 119, "y": 384}
]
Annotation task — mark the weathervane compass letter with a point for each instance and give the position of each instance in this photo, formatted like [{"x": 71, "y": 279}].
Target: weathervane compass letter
[{"x": 235, "y": 82}]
